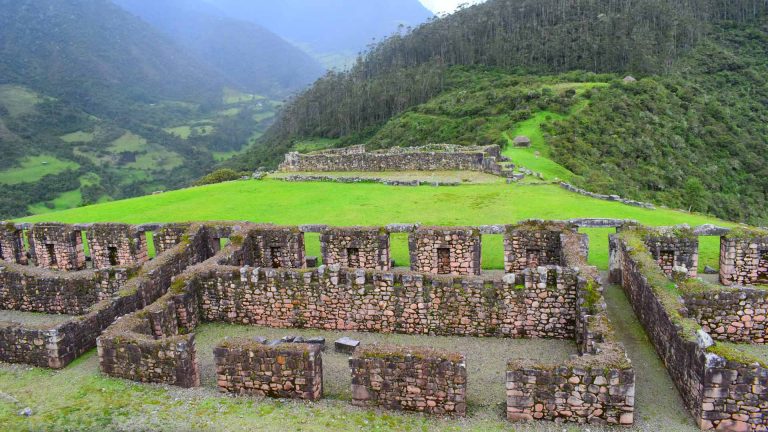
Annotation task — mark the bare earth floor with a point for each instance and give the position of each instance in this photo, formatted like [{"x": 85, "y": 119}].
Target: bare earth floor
[
  {"x": 80, "y": 398},
  {"x": 32, "y": 318},
  {"x": 486, "y": 357}
]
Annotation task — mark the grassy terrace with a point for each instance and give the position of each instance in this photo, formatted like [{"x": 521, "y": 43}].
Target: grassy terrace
[{"x": 374, "y": 204}]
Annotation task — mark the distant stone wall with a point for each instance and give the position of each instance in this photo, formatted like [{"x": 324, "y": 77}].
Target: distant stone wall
[
  {"x": 427, "y": 158},
  {"x": 744, "y": 261},
  {"x": 675, "y": 250},
  {"x": 409, "y": 379},
  {"x": 116, "y": 245},
  {"x": 274, "y": 247},
  {"x": 57, "y": 247},
  {"x": 11, "y": 244},
  {"x": 30, "y": 289},
  {"x": 542, "y": 303},
  {"x": 450, "y": 251},
  {"x": 289, "y": 371},
  {"x": 735, "y": 315},
  {"x": 366, "y": 248},
  {"x": 530, "y": 246}
]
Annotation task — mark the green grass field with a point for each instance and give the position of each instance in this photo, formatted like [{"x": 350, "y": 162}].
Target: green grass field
[
  {"x": 78, "y": 137},
  {"x": 18, "y": 100},
  {"x": 128, "y": 143},
  {"x": 33, "y": 168},
  {"x": 374, "y": 204},
  {"x": 185, "y": 131}
]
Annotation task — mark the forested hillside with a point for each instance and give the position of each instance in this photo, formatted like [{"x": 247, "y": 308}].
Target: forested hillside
[
  {"x": 691, "y": 133},
  {"x": 97, "y": 104},
  {"x": 250, "y": 56}
]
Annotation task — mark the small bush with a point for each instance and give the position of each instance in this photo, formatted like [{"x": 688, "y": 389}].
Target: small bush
[{"x": 219, "y": 176}]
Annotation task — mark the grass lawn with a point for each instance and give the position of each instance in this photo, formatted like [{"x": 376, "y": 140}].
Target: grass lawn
[
  {"x": 316, "y": 144},
  {"x": 185, "y": 131},
  {"x": 128, "y": 143},
  {"x": 526, "y": 157},
  {"x": 33, "y": 168},
  {"x": 18, "y": 100},
  {"x": 374, "y": 204},
  {"x": 232, "y": 96},
  {"x": 66, "y": 200},
  {"x": 78, "y": 137}
]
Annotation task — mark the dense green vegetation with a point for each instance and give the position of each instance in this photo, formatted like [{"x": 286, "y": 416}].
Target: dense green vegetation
[{"x": 691, "y": 133}]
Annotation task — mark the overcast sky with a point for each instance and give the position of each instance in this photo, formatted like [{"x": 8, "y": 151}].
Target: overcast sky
[{"x": 446, "y": 6}]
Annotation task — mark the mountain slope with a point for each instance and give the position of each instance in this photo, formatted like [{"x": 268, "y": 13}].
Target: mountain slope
[
  {"x": 252, "y": 57},
  {"x": 329, "y": 26},
  {"x": 93, "y": 54},
  {"x": 692, "y": 133}
]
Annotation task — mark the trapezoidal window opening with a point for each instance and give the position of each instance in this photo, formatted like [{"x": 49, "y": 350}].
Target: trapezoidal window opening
[
  {"x": 353, "y": 257},
  {"x": 50, "y": 249},
  {"x": 444, "y": 260},
  {"x": 762, "y": 266},
  {"x": 533, "y": 257},
  {"x": 274, "y": 254},
  {"x": 113, "y": 259}
]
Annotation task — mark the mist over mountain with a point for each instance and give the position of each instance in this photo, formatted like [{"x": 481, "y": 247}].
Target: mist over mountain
[
  {"x": 329, "y": 26},
  {"x": 249, "y": 55}
]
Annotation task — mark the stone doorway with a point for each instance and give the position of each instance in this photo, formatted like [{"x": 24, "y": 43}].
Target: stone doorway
[
  {"x": 353, "y": 258},
  {"x": 274, "y": 253},
  {"x": 113, "y": 260},
  {"x": 762, "y": 266},
  {"x": 444, "y": 261},
  {"x": 51, "y": 251}
]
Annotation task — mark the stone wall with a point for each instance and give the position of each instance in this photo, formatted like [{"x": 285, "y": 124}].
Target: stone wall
[
  {"x": 30, "y": 289},
  {"x": 672, "y": 250},
  {"x": 57, "y": 346},
  {"x": 168, "y": 236},
  {"x": 720, "y": 393},
  {"x": 290, "y": 371},
  {"x": 734, "y": 315},
  {"x": 11, "y": 244},
  {"x": 454, "y": 251},
  {"x": 539, "y": 303},
  {"x": 366, "y": 248},
  {"x": 274, "y": 247},
  {"x": 57, "y": 247},
  {"x": 531, "y": 246},
  {"x": 427, "y": 158},
  {"x": 116, "y": 245},
  {"x": 743, "y": 261},
  {"x": 593, "y": 394},
  {"x": 409, "y": 379}
]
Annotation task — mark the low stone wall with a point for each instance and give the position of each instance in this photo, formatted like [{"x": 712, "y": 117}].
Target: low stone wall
[
  {"x": 734, "y": 315},
  {"x": 527, "y": 246},
  {"x": 57, "y": 346},
  {"x": 31, "y": 289},
  {"x": 366, "y": 248},
  {"x": 57, "y": 247},
  {"x": 615, "y": 198},
  {"x": 454, "y": 251},
  {"x": 540, "y": 303},
  {"x": 290, "y": 371},
  {"x": 597, "y": 394},
  {"x": 674, "y": 249},
  {"x": 346, "y": 179},
  {"x": 427, "y": 158},
  {"x": 116, "y": 245},
  {"x": 409, "y": 379},
  {"x": 11, "y": 244},
  {"x": 274, "y": 246},
  {"x": 744, "y": 259},
  {"x": 720, "y": 393}
]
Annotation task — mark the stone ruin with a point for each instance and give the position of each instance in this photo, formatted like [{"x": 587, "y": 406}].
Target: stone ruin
[
  {"x": 744, "y": 258},
  {"x": 436, "y": 157},
  {"x": 360, "y": 247},
  {"x": 454, "y": 251},
  {"x": 722, "y": 387}
]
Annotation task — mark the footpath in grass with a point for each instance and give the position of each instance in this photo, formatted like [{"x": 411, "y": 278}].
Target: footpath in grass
[{"x": 272, "y": 201}]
